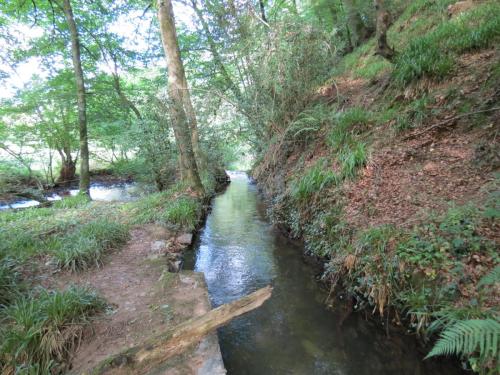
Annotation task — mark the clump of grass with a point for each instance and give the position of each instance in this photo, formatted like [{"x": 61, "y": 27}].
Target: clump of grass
[
  {"x": 352, "y": 158},
  {"x": 183, "y": 212},
  {"x": 348, "y": 123},
  {"x": 433, "y": 54},
  {"x": 9, "y": 281},
  {"x": 316, "y": 179},
  {"x": 372, "y": 67},
  {"x": 87, "y": 244},
  {"x": 76, "y": 201},
  {"x": 41, "y": 330},
  {"x": 170, "y": 207}
]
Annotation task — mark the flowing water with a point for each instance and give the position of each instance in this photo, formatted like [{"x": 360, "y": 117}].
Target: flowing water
[
  {"x": 107, "y": 192},
  {"x": 293, "y": 332}
]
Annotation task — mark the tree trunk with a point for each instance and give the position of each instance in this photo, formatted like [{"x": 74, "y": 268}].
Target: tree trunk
[
  {"x": 143, "y": 359},
  {"x": 81, "y": 100},
  {"x": 68, "y": 169},
  {"x": 356, "y": 28},
  {"x": 193, "y": 126},
  {"x": 176, "y": 87},
  {"x": 383, "y": 23},
  {"x": 262, "y": 10}
]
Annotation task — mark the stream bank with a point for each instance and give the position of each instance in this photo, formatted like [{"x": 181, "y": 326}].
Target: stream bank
[
  {"x": 111, "y": 261},
  {"x": 239, "y": 251}
]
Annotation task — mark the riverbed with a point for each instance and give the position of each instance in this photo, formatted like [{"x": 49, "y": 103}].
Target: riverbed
[{"x": 294, "y": 332}]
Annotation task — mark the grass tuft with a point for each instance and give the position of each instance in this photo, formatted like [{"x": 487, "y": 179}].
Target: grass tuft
[
  {"x": 183, "y": 212},
  {"x": 433, "y": 54},
  {"x": 77, "y": 201},
  {"x": 316, "y": 179},
  {"x": 41, "y": 330},
  {"x": 9, "y": 281},
  {"x": 85, "y": 246}
]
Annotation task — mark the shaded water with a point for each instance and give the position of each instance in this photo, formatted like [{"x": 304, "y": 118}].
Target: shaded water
[
  {"x": 107, "y": 192},
  {"x": 293, "y": 333}
]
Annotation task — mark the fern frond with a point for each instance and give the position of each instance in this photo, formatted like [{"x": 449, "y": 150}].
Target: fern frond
[
  {"x": 491, "y": 277},
  {"x": 469, "y": 336}
]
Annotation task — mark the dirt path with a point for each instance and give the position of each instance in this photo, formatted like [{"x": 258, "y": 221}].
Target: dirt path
[{"x": 145, "y": 300}]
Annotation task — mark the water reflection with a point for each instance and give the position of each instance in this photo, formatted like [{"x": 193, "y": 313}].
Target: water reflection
[{"x": 292, "y": 333}]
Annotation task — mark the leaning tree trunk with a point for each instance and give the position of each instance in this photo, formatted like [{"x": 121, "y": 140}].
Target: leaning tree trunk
[
  {"x": 81, "y": 101},
  {"x": 176, "y": 83},
  {"x": 383, "y": 23}
]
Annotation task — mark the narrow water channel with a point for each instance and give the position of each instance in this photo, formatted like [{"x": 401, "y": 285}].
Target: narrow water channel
[{"x": 293, "y": 333}]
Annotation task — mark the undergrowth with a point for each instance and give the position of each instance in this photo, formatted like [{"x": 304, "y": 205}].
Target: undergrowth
[
  {"x": 87, "y": 244},
  {"x": 434, "y": 53},
  {"x": 39, "y": 331}
]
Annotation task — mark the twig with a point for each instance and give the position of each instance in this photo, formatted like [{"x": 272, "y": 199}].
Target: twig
[{"x": 441, "y": 123}]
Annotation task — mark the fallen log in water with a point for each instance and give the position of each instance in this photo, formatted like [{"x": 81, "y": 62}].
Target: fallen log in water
[{"x": 151, "y": 354}]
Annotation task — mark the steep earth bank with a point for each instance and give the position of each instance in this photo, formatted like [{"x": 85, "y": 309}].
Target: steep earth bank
[{"x": 393, "y": 185}]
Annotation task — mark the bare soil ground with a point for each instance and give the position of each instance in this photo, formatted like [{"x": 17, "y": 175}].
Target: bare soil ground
[{"x": 145, "y": 299}]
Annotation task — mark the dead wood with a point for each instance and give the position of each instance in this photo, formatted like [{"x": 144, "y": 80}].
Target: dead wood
[{"x": 146, "y": 357}]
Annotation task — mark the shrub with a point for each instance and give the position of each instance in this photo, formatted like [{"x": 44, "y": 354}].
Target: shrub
[{"x": 41, "y": 330}]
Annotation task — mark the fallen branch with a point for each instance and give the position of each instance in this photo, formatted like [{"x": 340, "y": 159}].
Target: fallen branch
[
  {"x": 444, "y": 122},
  {"x": 146, "y": 357}
]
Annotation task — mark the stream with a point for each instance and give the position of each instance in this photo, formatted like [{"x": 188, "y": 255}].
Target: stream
[
  {"x": 239, "y": 251},
  {"x": 99, "y": 191}
]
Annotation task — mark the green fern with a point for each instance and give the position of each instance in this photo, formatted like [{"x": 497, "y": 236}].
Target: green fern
[
  {"x": 465, "y": 337},
  {"x": 491, "y": 277}
]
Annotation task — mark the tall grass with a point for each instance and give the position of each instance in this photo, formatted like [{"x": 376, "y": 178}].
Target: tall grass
[
  {"x": 87, "y": 244},
  {"x": 316, "y": 179},
  {"x": 351, "y": 158},
  {"x": 9, "y": 280},
  {"x": 172, "y": 207},
  {"x": 41, "y": 330},
  {"x": 433, "y": 54},
  {"x": 183, "y": 212},
  {"x": 348, "y": 123},
  {"x": 76, "y": 201}
]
